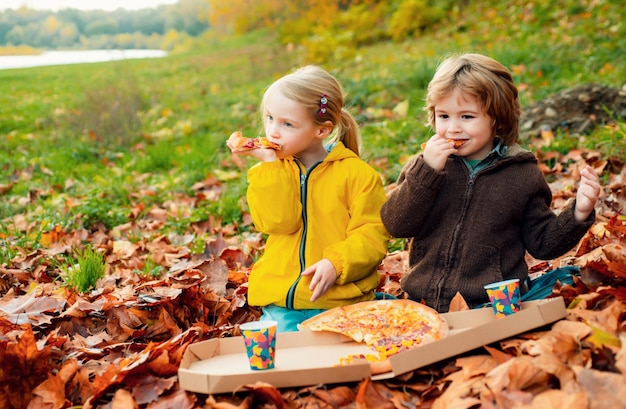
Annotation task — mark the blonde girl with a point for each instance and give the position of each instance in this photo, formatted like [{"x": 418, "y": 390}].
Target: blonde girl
[{"x": 316, "y": 200}]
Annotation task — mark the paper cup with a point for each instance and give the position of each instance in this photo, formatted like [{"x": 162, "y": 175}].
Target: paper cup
[
  {"x": 260, "y": 340},
  {"x": 504, "y": 297}
]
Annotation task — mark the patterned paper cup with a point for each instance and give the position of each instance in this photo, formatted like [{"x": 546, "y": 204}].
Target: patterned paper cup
[
  {"x": 260, "y": 340},
  {"x": 504, "y": 297}
]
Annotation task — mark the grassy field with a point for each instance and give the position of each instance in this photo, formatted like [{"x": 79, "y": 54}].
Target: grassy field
[{"x": 91, "y": 144}]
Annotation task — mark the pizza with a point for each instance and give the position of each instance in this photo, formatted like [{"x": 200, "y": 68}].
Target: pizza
[
  {"x": 238, "y": 142},
  {"x": 387, "y": 327},
  {"x": 456, "y": 142}
]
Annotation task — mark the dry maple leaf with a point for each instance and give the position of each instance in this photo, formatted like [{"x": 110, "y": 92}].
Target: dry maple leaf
[
  {"x": 23, "y": 367},
  {"x": 150, "y": 388},
  {"x": 460, "y": 395},
  {"x": 499, "y": 356},
  {"x": 556, "y": 398},
  {"x": 162, "y": 359},
  {"x": 604, "y": 389},
  {"x": 335, "y": 397},
  {"x": 178, "y": 399},
  {"x": 124, "y": 399},
  {"x": 212, "y": 403},
  {"x": 458, "y": 303},
  {"x": 51, "y": 392},
  {"x": 372, "y": 395},
  {"x": 266, "y": 393},
  {"x": 471, "y": 367},
  {"x": 518, "y": 373}
]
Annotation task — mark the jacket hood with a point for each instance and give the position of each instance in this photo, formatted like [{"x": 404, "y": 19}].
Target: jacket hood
[{"x": 338, "y": 151}]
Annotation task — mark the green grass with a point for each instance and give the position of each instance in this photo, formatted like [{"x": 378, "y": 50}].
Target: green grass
[
  {"x": 83, "y": 144},
  {"x": 83, "y": 269},
  {"x": 150, "y": 269}
]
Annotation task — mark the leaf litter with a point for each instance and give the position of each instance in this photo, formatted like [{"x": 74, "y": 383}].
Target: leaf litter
[{"x": 120, "y": 345}]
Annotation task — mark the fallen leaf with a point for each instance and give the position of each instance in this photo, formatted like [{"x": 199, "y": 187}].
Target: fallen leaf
[
  {"x": 604, "y": 389},
  {"x": 458, "y": 303},
  {"x": 372, "y": 395}
]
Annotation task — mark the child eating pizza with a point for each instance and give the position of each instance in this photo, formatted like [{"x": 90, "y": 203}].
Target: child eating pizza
[
  {"x": 474, "y": 201},
  {"x": 316, "y": 200}
]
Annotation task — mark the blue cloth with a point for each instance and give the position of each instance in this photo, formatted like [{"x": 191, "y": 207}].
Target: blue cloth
[
  {"x": 541, "y": 287},
  {"x": 289, "y": 319}
]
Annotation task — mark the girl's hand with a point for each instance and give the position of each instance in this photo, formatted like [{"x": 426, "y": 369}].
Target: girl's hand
[
  {"x": 588, "y": 193},
  {"x": 324, "y": 276},
  {"x": 436, "y": 152}
]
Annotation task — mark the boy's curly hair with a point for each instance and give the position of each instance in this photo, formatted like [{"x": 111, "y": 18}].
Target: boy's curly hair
[{"x": 488, "y": 81}]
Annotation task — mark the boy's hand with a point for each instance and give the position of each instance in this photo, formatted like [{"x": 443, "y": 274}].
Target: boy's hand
[
  {"x": 324, "y": 276},
  {"x": 436, "y": 152},
  {"x": 588, "y": 193}
]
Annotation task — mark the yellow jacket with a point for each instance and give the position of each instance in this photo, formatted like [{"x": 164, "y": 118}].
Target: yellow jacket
[{"x": 330, "y": 211}]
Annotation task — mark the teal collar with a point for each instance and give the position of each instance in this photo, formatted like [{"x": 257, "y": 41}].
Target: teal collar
[{"x": 498, "y": 151}]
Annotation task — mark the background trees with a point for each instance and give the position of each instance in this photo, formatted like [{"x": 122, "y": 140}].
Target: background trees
[
  {"x": 317, "y": 25},
  {"x": 89, "y": 29}
]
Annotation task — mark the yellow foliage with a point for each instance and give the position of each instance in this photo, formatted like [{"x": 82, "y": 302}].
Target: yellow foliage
[
  {"x": 51, "y": 25},
  {"x": 325, "y": 28},
  {"x": 241, "y": 16},
  {"x": 412, "y": 16},
  {"x": 19, "y": 50}
]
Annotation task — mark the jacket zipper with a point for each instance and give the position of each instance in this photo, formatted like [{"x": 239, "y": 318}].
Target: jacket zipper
[
  {"x": 440, "y": 283},
  {"x": 304, "y": 178}
]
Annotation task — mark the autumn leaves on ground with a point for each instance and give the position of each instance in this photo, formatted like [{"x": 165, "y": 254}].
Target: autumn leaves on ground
[
  {"x": 175, "y": 276},
  {"x": 121, "y": 344}
]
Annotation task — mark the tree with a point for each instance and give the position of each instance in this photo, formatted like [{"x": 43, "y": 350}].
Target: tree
[
  {"x": 190, "y": 16},
  {"x": 67, "y": 35},
  {"x": 73, "y": 28},
  {"x": 103, "y": 26}
]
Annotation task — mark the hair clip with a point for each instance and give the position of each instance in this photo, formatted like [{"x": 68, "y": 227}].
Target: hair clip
[{"x": 323, "y": 102}]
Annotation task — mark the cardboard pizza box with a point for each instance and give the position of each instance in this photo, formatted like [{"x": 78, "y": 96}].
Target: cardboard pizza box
[
  {"x": 302, "y": 358},
  {"x": 309, "y": 358}
]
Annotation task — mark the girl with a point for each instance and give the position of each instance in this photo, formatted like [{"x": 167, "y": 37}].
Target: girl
[
  {"x": 472, "y": 212},
  {"x": 318, "y": 203}
]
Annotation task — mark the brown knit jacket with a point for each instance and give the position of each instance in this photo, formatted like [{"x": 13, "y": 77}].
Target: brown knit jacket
[{"x": 467, "y": 233}]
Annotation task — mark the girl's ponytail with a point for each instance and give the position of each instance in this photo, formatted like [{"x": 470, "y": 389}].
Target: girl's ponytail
[{"x": 349, "y": 132}]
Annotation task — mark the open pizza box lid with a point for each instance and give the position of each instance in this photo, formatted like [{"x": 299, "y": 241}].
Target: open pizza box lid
[{"x": 309, "y": 358}]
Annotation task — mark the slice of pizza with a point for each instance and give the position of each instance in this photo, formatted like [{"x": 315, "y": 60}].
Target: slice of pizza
[
  {"x": 457, "y": 142},
  {"x": 240, "y": 143},
  {"x": 387, "y": 327}
]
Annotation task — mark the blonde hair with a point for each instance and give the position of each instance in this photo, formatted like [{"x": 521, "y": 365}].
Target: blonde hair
[
  {"x": 485, "y": 79},
  {"x": 306, "y": 86}
]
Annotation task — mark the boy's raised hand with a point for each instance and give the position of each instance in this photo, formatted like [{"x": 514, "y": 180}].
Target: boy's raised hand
[
  {"x": 436, "y": 152},
  {"x": 324, "y": 276},
  {"x": 588, "y": 193}
]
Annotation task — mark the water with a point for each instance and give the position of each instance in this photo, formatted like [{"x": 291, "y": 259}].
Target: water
[{"x": 74, "y": 57}]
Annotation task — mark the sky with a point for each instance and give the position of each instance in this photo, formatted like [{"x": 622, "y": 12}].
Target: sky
[{"x": 56, "y": 5}]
